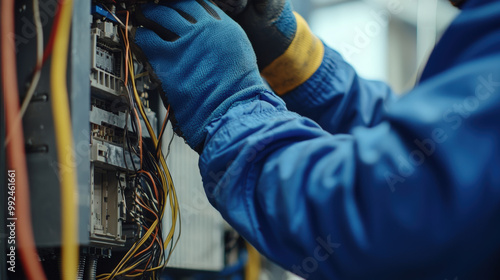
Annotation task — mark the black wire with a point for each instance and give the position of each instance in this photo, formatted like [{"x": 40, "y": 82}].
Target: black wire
[
  {"x": 125, "y": 139},
  {"x": 143, "y": 187},
  {"x": 169, "y": 145},
  {"x": 127, "y": 135}
]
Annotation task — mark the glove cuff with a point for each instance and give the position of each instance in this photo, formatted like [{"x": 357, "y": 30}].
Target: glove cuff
[
  {"x": 299, "y": 62},
  {"x": 286, "y": 22}
]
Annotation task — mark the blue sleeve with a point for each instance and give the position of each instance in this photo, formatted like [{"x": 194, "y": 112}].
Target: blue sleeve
[
  {"x": 415, "y": 192},
  {"x": 337, "y": 98}
]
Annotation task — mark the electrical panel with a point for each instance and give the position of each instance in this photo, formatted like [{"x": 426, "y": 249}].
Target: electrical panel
[
  {"x": 110, "y": 148},
  {"x": 125, "y": 188},
  {"x": 107, "y": 207}
]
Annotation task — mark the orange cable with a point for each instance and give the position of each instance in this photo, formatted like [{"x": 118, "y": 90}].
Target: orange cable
[
  {"x": 137, "y": 270},
  {"x": 150, "y": 245},
  {"x": 16, "y": 155},
  {"x": 127, "y": 49},
  {"x": 145, "y": 207},
  {"x": 151, "y": 178}
]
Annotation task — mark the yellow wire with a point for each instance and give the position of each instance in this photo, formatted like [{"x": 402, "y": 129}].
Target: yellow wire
[
  {"x": 64, "y": 142},
  {"x": 173, "y": 195},
  {"x": 133, "y": 250},
  {"x": 169, "y": 189},
  {"x": 253, "y": 266}
]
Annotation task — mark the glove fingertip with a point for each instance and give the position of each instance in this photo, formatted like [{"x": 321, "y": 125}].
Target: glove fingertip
[
  {"x": 231, "y": 7},
  {"x": 160, "y": 30},
  {"x": 210, "y": 10}
]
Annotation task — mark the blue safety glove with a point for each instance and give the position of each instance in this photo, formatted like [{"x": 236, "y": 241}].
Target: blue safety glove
[{"x": 203, "y": 59}]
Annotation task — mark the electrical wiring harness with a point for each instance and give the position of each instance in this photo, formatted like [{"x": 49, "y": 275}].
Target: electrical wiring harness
[
  {"x": 153, "y": 187},
  {"x": 149, "y": 183}
]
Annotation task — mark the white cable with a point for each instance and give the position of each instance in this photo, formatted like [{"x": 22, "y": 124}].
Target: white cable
[
  {"x": 38, "y": 70},
  {"x": 39, "y": 57}
]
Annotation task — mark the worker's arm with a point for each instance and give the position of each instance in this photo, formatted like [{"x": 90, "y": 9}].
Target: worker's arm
[
  {"x": 414, "y": 197},
  {"x": 337, "y": 98},
  {"x": 314, "y": 80}
]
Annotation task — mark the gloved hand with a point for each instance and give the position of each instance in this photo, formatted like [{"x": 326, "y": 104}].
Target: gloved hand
[
  {"x": 270, "y": 25},
  {"x": 203, "y": 59},
  {"x": 288, "y": 54}
]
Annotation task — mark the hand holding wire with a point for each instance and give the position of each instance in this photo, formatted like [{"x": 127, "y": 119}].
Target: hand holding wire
[{"x": 203, "y": 59}]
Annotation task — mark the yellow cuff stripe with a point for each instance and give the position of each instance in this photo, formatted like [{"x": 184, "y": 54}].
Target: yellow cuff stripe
[{"x": 299, "y": 62}]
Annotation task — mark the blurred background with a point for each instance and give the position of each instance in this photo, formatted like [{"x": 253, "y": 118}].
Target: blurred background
[{"x": 388, "y": 40}]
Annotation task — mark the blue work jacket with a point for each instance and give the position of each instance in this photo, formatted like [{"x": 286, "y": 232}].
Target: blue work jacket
[{"x": 341, "y": 179}]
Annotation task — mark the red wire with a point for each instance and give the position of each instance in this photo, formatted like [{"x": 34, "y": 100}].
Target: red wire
[
  {"x": 50, "y": 44},
  {"x": 16, "y": 155}
]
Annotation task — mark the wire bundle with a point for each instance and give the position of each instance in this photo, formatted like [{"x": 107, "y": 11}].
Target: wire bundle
[{"x": 152, "y": 183}]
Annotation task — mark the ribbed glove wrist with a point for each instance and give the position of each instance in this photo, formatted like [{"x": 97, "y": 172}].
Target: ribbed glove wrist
[{"x": 298, "y": 63}]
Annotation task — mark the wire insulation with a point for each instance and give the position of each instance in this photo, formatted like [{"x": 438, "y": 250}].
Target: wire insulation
[
  {"x": 64, "y": 142},
  {"x": 16, "y": 155},
  {"x": 39, "y": 58},
  {"x": 153, "y": 187}
]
